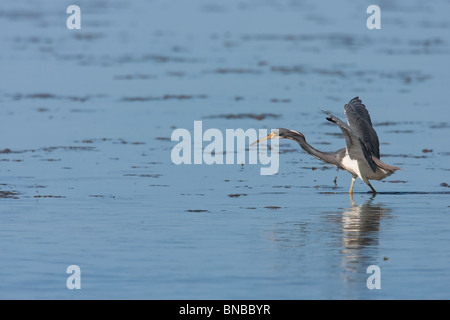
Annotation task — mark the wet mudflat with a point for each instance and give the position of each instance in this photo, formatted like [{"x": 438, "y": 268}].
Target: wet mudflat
[{"x": 87, "y": 179}]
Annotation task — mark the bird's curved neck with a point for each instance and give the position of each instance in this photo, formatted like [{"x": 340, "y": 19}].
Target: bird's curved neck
[{"x": 323, "y": 156}]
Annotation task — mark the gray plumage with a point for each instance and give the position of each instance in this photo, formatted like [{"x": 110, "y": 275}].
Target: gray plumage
[
  {"x": 358, "y": 119},
  {"x": 361, "y": 157}
]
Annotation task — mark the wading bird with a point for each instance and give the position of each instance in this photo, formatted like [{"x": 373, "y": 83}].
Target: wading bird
[{"x": 361, "y": 157}]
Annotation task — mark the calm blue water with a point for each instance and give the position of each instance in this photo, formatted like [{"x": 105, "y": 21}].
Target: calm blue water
[{"x": 86, "y": 176}]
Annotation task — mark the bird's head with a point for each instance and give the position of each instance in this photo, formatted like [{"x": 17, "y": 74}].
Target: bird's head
[{"x": 282, "y": 133}]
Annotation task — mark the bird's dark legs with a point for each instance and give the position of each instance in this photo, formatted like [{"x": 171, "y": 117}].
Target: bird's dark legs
[
  {"x": 373, "y": 190},
  {"x": 353, "y": 183},
  {"x": 350, "y": 192}
]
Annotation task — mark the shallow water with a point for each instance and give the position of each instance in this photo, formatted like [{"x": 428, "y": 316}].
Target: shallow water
[{"x": 85, "y": 161}]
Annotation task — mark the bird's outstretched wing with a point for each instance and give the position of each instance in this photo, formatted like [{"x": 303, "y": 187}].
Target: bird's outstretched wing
[
  {"x": 356, "y": 147},
  {"x": 358, "y": 119}
]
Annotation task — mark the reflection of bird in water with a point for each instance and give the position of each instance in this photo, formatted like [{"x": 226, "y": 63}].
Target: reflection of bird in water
[
  {"x": 348, "y": 237},
  {"x": 361, "y": 157},
  {"x": 360, "y": 232},
  {"x": 359, "y": 222}
]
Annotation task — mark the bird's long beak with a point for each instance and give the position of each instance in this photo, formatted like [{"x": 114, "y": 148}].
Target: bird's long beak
[{"x": 270, "y": 136}]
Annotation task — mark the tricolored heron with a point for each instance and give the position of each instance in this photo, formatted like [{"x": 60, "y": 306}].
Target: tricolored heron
[{"x": 361, "y": 157}]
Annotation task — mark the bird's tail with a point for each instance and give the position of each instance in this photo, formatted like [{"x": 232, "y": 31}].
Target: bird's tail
[{"x": 386, "y": 167}]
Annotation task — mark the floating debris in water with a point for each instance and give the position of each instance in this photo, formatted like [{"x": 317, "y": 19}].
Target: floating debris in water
[
  {"x": 50, "y": 96},
  {"x": 134, "y": 77},
  {"x": 258, "y": 117},
  {"x": 48, "y": 196},
  {"x": 236, "y": 71},
  {"x": 237, "y": 195},
  {"x": 397, "y": 181},
  {"x": 280, "y": 100},
  {"x": 156, "y": 175},
  {"x": 9, "y": 195},
  {"x": 164, "y": 97}
]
